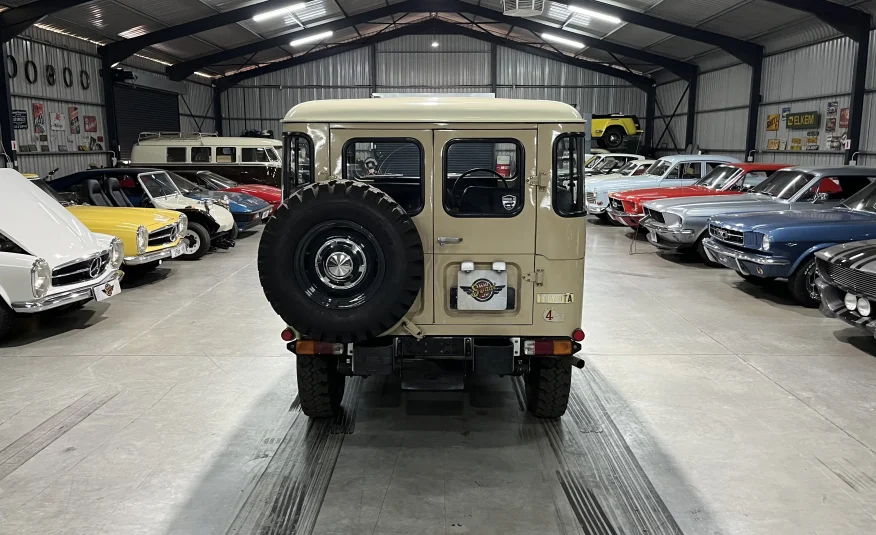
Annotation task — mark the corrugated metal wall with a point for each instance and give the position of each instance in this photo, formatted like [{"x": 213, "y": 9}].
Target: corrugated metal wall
[{"x": 411, "y": 65}]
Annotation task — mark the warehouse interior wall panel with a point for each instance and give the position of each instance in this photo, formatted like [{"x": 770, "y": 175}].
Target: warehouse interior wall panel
[
  {"x": 668, "y": 96},
  {"x": 724, "y": 88},
  {"x": 677, "y": 127},
  {"x": 785, "y": 134},
  {"x": 722, "y": 130},
  {"x": 822, "y": 69},
  {"x": 347, "y": 69}
]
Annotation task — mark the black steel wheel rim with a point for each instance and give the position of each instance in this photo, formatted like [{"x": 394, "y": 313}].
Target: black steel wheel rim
[
  {"x": 614, "y": 138},
  {"x": 339, "y": 264}
]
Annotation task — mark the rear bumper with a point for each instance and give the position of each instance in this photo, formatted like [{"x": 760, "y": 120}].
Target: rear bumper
[
  {"x": 668, "y": 238},
  {"x": 625, "y": 218},
  {"x": 745, "y": 262},
  {"x": 67, "y": 297},
  {"x": 833, "y": 306}
]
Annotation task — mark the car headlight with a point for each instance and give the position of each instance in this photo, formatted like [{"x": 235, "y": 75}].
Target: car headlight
[
  {"x": 863, "y": 307},
  {"x": 142, "y": 239},
  {"x": 40, "y": 277},
  {"x": 117, "y": 253},
  {"x": 765, "y": 243},
  {"x": 851, "y": 301},
  {"x": 183, "y": 224}
]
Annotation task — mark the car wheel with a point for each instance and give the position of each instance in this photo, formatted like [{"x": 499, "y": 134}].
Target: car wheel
[
  {"x": 548, "y": 384},
  {"x": 341, "y": 261},
  {"x": 802, "y": 284},
  {"x": 196, "y": 242},
  {"x": 613, "y": 137},
  {"x": 320, "y": 386},
  {"x": 6, "y": 317},
  {"x": 701, "y": 251}
]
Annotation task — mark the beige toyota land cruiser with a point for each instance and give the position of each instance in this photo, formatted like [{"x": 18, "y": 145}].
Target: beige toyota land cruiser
[{"x": 440, "y": 238}]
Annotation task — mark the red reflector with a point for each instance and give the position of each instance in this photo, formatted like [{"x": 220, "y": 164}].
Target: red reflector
[
  {"x": 287, "y": 335},
  {"x": 578, "y": 335}
]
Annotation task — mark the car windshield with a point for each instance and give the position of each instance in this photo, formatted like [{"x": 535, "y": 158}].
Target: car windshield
[
  {"x": 217, "y": 180},
  {"x": 41, "y": 184},
  {"x": 659, "y": 168},
  {"x": 784, "y": 184},
  {"x": 719, "y": 178},
  {"x": 864, "y": 200},
  {"x": 628, "y": 169},
  {"x": 606, "y": 164},
  {"x": 158, "y": 184},
  {"x": 593, "y": 161},
  {"x": 186, "y": 186}
]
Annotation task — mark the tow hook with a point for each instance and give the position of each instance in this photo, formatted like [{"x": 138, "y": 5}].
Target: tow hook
[{"x": 574, "y": 361}]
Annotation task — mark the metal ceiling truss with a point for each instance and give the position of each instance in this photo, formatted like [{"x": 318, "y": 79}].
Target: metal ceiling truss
[
  {"x": 855, "y": 25},
  {"x": 16, "y": 20},
  {"x": 432, "y": 27},
  {"x": 182, "y": 70}
]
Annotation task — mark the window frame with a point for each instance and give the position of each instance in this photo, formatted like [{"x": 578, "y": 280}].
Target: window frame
[
  {"x": 255, "y": 150},
  {"x": 285, "y": 173},
  {"x": 167, "y": 150},
  {"x": 392, "y": 139},
  {"x": 521, "y": 161},
  {"x": 233, "y": 154},
  {"x": 555, "y": 176},
  {"x": 209, "y": 154}
]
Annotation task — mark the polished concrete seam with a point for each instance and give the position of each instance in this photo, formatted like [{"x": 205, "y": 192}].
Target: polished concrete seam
[
  {"x": 13, "y": 456},
  {"x": 288, "y": 495},
  {"x": 181, "y": 307}
]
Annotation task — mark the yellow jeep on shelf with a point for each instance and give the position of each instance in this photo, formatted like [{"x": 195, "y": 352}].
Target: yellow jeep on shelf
[{"x": 610, "y": 131}]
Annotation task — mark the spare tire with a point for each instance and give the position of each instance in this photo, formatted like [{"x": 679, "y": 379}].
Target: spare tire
[{"x": 341, "y": 261}]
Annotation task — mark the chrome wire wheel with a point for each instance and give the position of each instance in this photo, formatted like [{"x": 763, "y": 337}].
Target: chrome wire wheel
[
  {"x": 339, "y": 264},
  {"x": 811, "y": 287}
]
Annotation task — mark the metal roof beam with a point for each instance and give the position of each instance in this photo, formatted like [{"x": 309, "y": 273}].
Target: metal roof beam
[
  {"x": 185, "y": 69},
  {"x": 428, "y": 28},
  {"x": 122, "y": 50},
  {"x": 745, "y": 51},
  {"x": 680, "y": 68},
  {"x": 16, "y": 20},
  {"x": 853, "y": 23}
]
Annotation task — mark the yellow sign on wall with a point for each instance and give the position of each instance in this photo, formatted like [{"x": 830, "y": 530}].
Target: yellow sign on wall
[{"x": 773, "y": 121}]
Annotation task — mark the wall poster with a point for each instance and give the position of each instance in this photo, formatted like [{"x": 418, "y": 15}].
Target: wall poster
[
  {"x": 796, "y": 143},
  {"x": 773, "y": 144},
  {"x": 75, "y": 127},
  {"x": 57, "y": 121},
  {"x": 831, "y": 124},
  {"x": 39, "y": 118},
  {"x": 19, "y": 119},
  {"x": 90, "y": 122},
  {"x": 773, "y": 121},
  {"x": 844, "y": 118},
  {"x": 831, "y": 108}
]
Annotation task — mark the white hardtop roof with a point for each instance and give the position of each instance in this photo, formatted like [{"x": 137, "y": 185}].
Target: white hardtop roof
[
  {"x": 433, "y": 110},
  {"x": 213, "y": 141},
  {"x": 675, "y": 158}
]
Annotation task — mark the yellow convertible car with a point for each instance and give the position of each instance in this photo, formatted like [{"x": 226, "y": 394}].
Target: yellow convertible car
[{"x": 149, "y": 235}]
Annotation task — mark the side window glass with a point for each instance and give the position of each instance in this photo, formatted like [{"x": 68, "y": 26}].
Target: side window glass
[
  {"x": 176, "y": 155},
  {"x": 568, "y": 175},
  {"x": 691, "y": 171},
  {"x": 482, "y": 178},
  {"x": 827, "y": 188},
  {"x": 674, "y": 173},
  {"x": 752, "y": 179},
  {"x": 250, "y": 154},
  {"x": 299, "y": 162},
  {"x": 226, "y": 154},
  {"x": 201, "y": 154},
  {"x": 396, "y": 166}
]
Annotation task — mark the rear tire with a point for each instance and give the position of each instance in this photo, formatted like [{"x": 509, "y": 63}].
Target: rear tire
[
  {"x": 197, "y": 241},
  {"x": 701, "y": 250},
  {"x": 548, "y": 384},
  {"x": 612, "y": 138},
  {"x": 320, "y": 386},
  {"x": 802, "y": 284}
]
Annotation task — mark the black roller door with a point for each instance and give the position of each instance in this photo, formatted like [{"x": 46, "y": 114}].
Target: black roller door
[{"x": 144, "y": 110}]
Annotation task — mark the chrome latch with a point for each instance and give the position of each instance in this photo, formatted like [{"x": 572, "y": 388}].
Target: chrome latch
[{"x": 537, "y": 277}]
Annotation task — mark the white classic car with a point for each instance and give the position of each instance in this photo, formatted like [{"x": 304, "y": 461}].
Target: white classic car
[{"x": 48, "y": 258}]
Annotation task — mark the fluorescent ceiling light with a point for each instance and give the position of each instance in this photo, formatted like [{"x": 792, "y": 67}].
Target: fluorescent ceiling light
[
  {"x": 134, "y": 32},
  {"x": 561, "y": 40},
  {"x": 311, "y": 39},
  {"x": 434, "y": 44},
  {"x": 278, "y": 12},
  {"x": 595, "y": 14}
]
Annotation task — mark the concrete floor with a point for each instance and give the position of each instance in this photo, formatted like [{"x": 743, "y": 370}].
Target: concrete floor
[{"x": 709, "y": 405}]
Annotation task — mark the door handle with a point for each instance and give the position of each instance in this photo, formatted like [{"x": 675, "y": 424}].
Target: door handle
[{"x": 447, "y": 240}]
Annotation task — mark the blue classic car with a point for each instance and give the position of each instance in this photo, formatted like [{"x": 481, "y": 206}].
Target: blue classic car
[
  {"x": 248, "y": 211},
  {"x": 769, "y": 245}
]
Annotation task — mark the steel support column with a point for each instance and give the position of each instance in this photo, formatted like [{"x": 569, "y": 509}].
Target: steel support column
[
  {"x": 373, "y": 55},
  {"x": 754, "y": 100},
  {"x": 218, "y": 118},
  {"x": 6, "y": 132},
  {"x": 650, "y": 113},
  {"x": 859, "y": 85},
  {"x": 692, "y": 89},
  {"x": 494, "y": 67},
  {"x": 109, "y": 101}
]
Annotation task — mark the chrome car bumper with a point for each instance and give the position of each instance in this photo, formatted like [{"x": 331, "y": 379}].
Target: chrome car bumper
[
  {"x": 833, "y": 306},
  {"x": 64, "y": 298},
  {"x": 625, "y": 218},
  {"x": 736, "y": 259},
  {"x": 666, "y": 237},
  {"x": 154, "y": 256}
]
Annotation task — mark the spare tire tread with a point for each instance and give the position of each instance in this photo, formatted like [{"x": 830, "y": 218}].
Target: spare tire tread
[{"x": 374, "y": 210}]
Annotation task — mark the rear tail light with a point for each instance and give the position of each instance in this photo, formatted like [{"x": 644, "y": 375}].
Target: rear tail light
[
  {"x": 287, "y": 335},
  {"x": 310, "y": 347},
  {"x": 547, "y": 347}
]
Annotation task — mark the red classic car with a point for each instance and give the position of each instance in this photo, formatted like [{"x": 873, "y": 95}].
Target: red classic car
[
  {"x": 214, "y": 182},
  {"x": 729, "y": 179}
]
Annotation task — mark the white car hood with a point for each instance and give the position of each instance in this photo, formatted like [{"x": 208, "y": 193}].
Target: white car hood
[
  {"x": 40, "y": 225},
  {"x": 623, "y": 184},
  {"x": 178, "y": 202}
]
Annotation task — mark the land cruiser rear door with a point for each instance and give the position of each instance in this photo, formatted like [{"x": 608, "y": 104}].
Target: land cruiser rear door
[{"x": 484, "y": 225}]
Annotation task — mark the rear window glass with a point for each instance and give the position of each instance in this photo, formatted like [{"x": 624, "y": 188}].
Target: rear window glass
[
  {"x": 482, "y": 178},
  {"x": 569, "y": 173},
  {"x": 226, "y": 154},
  {"x": 393, "y": 165}
]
